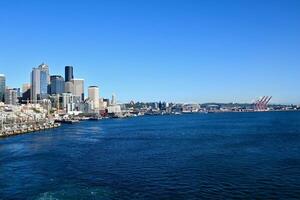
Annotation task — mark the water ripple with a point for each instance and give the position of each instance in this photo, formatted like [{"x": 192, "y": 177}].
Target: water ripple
[{"x": 222, "y": 156}]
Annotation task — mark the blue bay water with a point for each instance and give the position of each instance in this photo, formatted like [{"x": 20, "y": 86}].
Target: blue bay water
[{"x": 198, "y": 156}]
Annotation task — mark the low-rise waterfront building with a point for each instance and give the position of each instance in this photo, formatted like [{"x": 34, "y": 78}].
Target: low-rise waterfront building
[
  {"x": 114, "y": 109},
  {"x": 190, "y": 108},
  {"x": 70, "y": 103},
  {"x": 15, "y": 119}
]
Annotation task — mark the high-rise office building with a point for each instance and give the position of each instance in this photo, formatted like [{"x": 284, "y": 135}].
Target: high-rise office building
[
  {"x": 45, "y": 81},
  {"x": 25, "y": 87},
  {"x": 93, "y": 93},
  {"x": 69, "y": 87},
  {"x": 2, "y": 87},
  {"x": 78, "y": 88},
  {"x": 113, "y": 99},
  {"x": 18, "y": 90},
  {"x": 57, "y": 84},
  {"x": 11, "y": 96},
  {"x": 35, "y": 84},
  {"x": 40, "y": 81},
  {"x": 69, "y": 73},
  {"x": 26, "y": 91},
  {"x": 43, "y": 67}
]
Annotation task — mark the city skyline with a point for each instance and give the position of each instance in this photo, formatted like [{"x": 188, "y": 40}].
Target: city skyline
[
  {"x": 157, "y": 99},
  {"x": 177, "y": 52}
]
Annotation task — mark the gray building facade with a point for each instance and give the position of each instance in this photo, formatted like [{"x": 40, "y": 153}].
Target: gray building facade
[
  {"x": 57, "y": 84},
  {"x": 69, "y": 73},
  {"x": 2, "y": 87}
]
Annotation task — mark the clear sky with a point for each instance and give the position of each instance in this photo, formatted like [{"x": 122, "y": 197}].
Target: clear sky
[{"x": 151, "y": 50}]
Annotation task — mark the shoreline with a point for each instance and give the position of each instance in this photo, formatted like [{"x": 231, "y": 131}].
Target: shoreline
[
  {"x": 21, "y": 131},
  {"x": 28, "y": 130}
]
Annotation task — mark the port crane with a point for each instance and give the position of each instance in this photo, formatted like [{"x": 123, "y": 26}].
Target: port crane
[{"x": 261, "y": 104}]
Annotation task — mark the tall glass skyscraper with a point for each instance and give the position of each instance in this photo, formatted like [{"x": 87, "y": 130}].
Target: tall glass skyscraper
[
  {"x": 57, "y": 85},
  {"x": 40, "y": 81},
  {"x": 69, "y": 73},
  {"x": 44, "y": 84},
  {"x": 2, "y": 87}
]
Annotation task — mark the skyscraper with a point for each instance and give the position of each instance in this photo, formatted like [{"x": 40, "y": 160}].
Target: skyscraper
[
  {"x": 45, "y": 81},
  {"x": 25, "y": 87},
  {"x": 40, "y": 81},
  {"x": 69, "y": 73},
  {"x": 57, "y": 84},
  {"x": 18, "y": 90},
  {"x": 35, "y": 84},
  {"x": 113, "y": 99},
  {"x": 93, "y": 93},
  {"x": 2, "y": 87},
  {"x": 69, "y": 87},
  {"x": 78, "y": 88},
  {"x": 26, "y": 91},
  {"x": 11, "y": 96}
]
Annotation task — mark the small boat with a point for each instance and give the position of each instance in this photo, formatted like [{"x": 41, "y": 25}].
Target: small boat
[
  {"x": 67, "y": 121},
  {"x": 95, "y": 118},
  {"x": 71, "y": 121},
  {"x": 84, "y": 118}
]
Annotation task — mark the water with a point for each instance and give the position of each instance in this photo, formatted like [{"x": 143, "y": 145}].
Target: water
[{"x": 199, "y": 156}]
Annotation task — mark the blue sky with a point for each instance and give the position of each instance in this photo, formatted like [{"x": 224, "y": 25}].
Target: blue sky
[{"x": 183, "y": 51}]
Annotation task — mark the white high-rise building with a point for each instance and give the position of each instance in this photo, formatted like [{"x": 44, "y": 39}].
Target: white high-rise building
[
  {"x": 78, "y": 88},
  {"x": 93, "y": 94}
]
